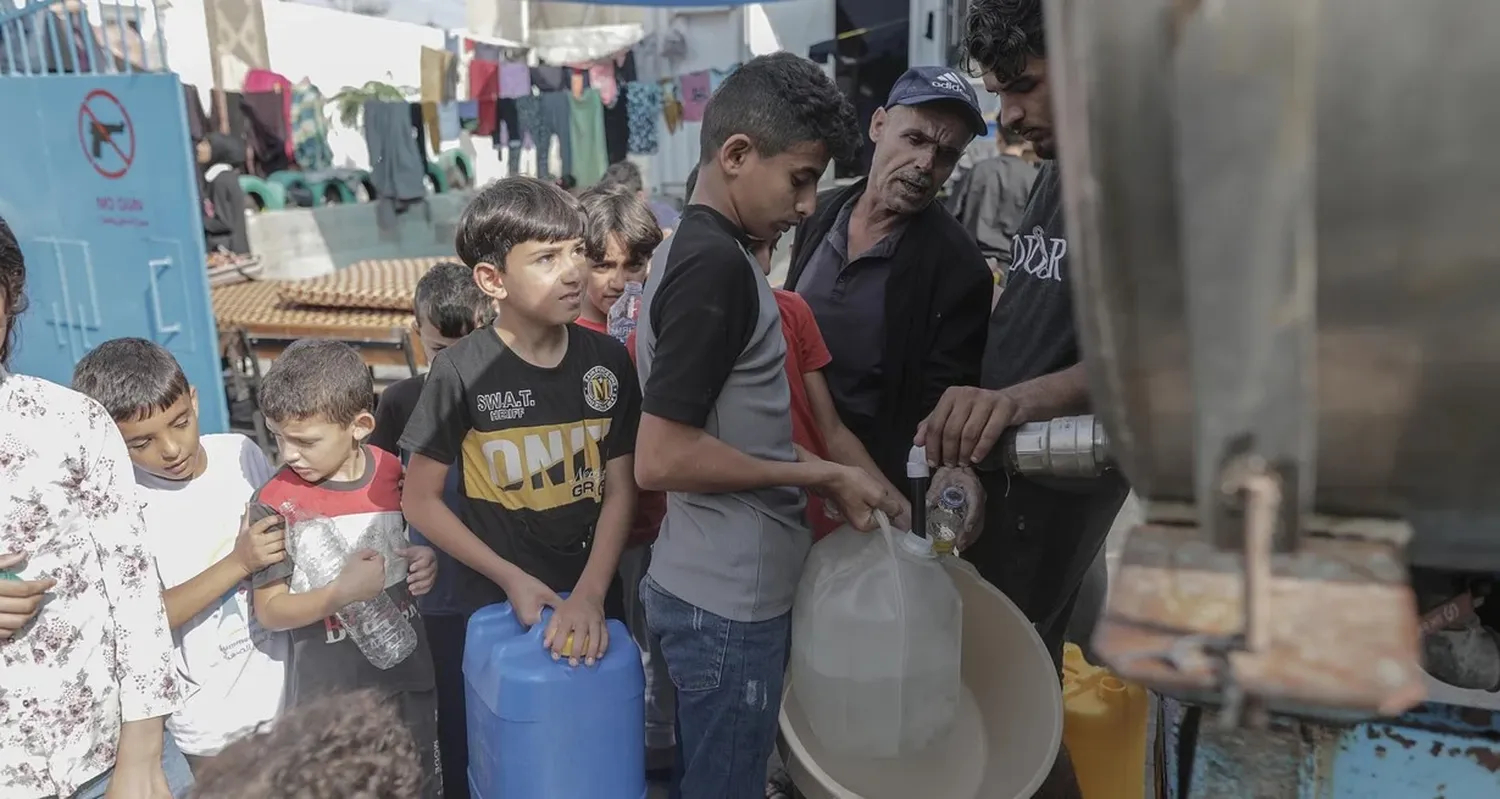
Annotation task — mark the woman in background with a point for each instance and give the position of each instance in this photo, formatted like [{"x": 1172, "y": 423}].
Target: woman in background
[{"x": 222, "y": 157}]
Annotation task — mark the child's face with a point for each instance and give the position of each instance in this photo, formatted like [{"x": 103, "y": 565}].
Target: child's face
[
  {"x": 606, "y": 280},
  {"x": 542, "y": 281},
  {"x": 433, "y": 341},
  {"x": 166, "y": 442},
  {"x": 318, "y": 449},
  {"x": 772, "y": 194}
]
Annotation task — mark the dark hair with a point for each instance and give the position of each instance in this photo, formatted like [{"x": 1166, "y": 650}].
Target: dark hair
[
  {"x": 617, "y": 210},
  {"x": 336, "y": 746},
  {"x": 692, "y": 183},
  {"x": 625, "y": 174},
  {"x": 511, "y": 211},
  {"x": 12, "y": 286},
  {"x": 317, "y": 378},
  {"x": 448, "y": 299},
  {"x": 131, "y": 377},
  {"x": 1000, "y": 35},
  {"x": 1010, "y": 138},
  {"x": 780, "y": 101}
]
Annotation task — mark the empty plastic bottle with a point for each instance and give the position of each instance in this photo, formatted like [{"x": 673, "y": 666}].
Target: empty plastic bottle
[
  {"x": 945, "y": 520},
  {"x": 623, "y": 313},
  {"x": 378, "y": 627}
]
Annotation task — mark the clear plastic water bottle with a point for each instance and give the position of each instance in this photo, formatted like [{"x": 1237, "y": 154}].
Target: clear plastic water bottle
[
  {"x": 623, "y": 313},
  {"x": 945, "y": 520},
  {"x": 378, "y": 627}
]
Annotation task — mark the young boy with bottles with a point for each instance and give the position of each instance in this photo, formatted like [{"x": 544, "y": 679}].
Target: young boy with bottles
[
  {"x": 195, "y": 490},
  {"x": 541, "y": 413},
  {"x": 349, "y": 560}
]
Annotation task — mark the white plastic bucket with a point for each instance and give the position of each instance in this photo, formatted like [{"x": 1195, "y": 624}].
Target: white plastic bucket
[{"x": 1003, "y": 742}]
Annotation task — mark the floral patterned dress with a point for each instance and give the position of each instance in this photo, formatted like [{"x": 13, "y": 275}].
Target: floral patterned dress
[{"x": 99, "y": 652}]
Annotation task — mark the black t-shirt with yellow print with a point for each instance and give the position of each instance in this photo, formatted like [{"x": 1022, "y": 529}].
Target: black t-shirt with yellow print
[{"x": 532, "y": 443}]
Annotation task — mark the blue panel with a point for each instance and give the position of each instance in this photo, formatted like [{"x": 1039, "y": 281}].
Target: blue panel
[
  {"x": 98, "y": 181},
  {"x": 1436, "y": 751}
]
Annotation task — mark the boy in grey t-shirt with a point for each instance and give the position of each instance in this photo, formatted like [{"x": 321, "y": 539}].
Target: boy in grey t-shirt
[{"x": 716, "y": 430}]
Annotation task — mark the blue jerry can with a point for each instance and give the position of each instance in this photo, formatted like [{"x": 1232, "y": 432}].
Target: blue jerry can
[{"x": 541, "y": 729}]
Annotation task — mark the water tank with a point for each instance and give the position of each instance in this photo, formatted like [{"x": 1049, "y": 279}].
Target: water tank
[{"x": 541, "y": 729}]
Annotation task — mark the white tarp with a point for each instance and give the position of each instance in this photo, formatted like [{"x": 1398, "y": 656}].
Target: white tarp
[{"x": 575, "y": 45}]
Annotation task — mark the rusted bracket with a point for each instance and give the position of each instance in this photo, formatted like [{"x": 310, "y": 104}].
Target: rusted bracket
[{"x": 1328, "y": 631}]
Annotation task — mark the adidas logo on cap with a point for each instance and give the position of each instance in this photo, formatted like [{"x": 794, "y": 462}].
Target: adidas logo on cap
[{"x": 950, "y": 82}]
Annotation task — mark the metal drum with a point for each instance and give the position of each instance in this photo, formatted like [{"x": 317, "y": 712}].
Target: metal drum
[{"x": 1285, "y": 218}]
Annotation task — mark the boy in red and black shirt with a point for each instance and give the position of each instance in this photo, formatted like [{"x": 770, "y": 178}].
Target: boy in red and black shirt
[{"x": 317, "y": 399}]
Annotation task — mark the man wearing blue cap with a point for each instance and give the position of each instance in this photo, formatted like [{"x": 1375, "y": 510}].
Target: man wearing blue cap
[{"x": 899, "y": 288}]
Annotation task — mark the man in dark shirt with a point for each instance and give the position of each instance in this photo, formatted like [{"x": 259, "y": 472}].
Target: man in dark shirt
[
  {"x": 899, "y": 290},
  {"x": 990, "y": 199},
  {"x": 1037, "y": 534}
]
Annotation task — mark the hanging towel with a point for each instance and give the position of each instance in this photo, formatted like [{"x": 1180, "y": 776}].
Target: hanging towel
[
  {"x": 264, "y": 80},
  {"x": 643, "y": 103},
  {"x": 268, "y": 129},
  {"x": 671, "y": 106},
  {"x": 397, "y": 169},
  {"x": 515, "y": 80},
  {"x": 586, "y": 125},
  {"x": 602, "y": 77},
  {"x": 696, "y": 89},
  {"x": 310, "y": 128},
  {"x": 484, "y": 79},
  {"x": 436, "y": 66},
  {"x": 198, "y": 125},
  {"x": 448, "y": 124}
]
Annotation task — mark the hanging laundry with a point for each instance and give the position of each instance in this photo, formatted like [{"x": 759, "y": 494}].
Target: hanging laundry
[
  {"x": 484, "y": 79},
  {"x": 515, "y": 79},
  {"x": 198, "y": 125},
  {"x": 436, "y": 69},
  {"x": 269, "y": 130},
  {"x": 590, "y": 152},
  {"x": 310, "y": 128},
  {"x": 508, "y": 129},
  {"x": 671, "y": 105},
  {"x": 232, "y": 112},
  {"x": 578, "y": 81},
  {"x": 468, "y": 115},
  {"x": 529, "y": 117},
  {"x": 487, "y": 52},
  {"x": 602, "y": 77},
  {"x": 696, "y": 90},
  {"x": 549, "y": 79},
  {"x": 433, "y": 125},
  {"x": 419, "y": 125},
  {"x": 486, "y": 112},
  {"x": 617, "y": 128},
  {"x": 397, "y": 169},
  {"x": 625, "y": 66},
  {"x": 448, "y": 124},
  {"x": 264, "y": 80},
  {"x": 717, "y": 76},
  {"x": 643, "y": 103},
  {"x": 557, "y": 119}
]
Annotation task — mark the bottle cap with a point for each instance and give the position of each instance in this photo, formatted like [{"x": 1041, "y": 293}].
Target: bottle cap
[
  {"x": 953, "y": 498},
  {"x": 917, "y": 545},
  {"x": 916, "y": 463}
]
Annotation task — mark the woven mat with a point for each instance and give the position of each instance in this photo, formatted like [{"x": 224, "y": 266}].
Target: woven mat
[
  {"x": 258, "y": 307},
  {"x": 385, "y": 284}
]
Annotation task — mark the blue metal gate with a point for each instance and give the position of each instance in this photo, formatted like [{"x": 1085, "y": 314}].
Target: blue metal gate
[{"x": 99, "y": 182}]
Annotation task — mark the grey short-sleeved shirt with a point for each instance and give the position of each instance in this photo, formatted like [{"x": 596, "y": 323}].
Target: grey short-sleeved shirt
[{"x": 711, "y": 355}]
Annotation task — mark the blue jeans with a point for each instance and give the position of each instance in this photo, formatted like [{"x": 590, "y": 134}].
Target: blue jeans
[
  {"x": 173, "y": 764},
  {"x": 729, "y": 677}
]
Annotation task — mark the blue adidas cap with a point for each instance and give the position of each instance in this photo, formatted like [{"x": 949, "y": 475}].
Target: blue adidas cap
[{"x": 920, "y": 85}]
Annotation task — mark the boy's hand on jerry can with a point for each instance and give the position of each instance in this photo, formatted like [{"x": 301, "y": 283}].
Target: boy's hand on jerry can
[
  {"x": 528, "y": 596},
  {"x": 577, "y": 631},
  {"x": 421, "y": 568},
  {"x": 363, "y": 577},
  {"x": 260, "y": 543}
]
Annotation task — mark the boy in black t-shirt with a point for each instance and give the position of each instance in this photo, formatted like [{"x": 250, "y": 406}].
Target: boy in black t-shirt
[
  {"x": 539, "y": 412},
  {"x": 447, "y": 306}
]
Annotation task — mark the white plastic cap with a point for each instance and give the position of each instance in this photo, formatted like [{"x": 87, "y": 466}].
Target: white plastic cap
[
  {"x": 916, "y": 463},
  {"x": 917, "y": 545}
]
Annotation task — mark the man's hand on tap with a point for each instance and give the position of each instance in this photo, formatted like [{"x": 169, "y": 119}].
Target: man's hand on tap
[
  {"x": 965, "y": 425},
  {"x": 965, "y": 478}
]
